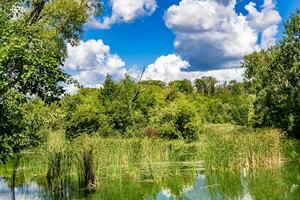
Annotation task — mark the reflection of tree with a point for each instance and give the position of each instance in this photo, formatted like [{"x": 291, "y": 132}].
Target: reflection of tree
[
  {"x": 275, "y": 184},
  {"x": 14, "y": 181},
  {"x": 264, "y": 184}
]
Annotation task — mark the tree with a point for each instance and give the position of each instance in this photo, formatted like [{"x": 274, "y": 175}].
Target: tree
[
  {"x": 184, "y": 86},
  {"x": 34, "y": 35},
  {"x": 178, "y": 120},
  {"x": 11, "y": 125},
  {"x": 275, "y": 75},
  {"x": 33, "y": 38},
  {"x": 206, "y": 85},
  {"x": 235, "y": 87}
]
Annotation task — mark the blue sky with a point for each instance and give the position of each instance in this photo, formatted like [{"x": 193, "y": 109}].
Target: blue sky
[
  {"x": 139, "y": 42},
  {"x": 142, "y": 41},
  {"x": 160, "y": 33}
]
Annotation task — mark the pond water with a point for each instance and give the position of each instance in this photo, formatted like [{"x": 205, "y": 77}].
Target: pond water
[{"x": 190, "y": 183}]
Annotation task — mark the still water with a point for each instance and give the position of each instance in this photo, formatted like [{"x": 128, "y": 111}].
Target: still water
[{"x": 188, "y": 183}]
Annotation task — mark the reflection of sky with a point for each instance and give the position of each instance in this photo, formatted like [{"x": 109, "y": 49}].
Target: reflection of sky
[
  {"x": 197, "y": 191},
  {"x": 165, "y": 194},
  {"x": 200, "y": 190},
  {"x": 25, "y": 192}
]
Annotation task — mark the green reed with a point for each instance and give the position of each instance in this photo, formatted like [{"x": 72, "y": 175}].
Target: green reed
[
  {"x": 243, "y": 148},
  {"x": 90, "y": 160}
]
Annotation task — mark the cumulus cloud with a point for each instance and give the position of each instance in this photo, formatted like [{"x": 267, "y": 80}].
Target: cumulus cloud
[
  {"x": 125, "y": 11},
  {"x": 166, "y": 68},
  {"x": 211, "y": 35},
  {"x": 266, "y": 21},
  {"x": 91, "y": 61},
  {"x": 172, "y": 67}
]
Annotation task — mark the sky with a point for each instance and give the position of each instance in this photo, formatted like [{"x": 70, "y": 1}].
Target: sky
[{"x": 175, "y": 39}]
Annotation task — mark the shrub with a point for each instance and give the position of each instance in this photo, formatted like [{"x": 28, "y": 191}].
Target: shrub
[{"x": 178, "y": 121}]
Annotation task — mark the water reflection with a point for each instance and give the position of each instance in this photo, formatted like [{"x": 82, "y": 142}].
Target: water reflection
[
  {"x": 265, "y": 184},
  {"x": 25, "y": 191}
]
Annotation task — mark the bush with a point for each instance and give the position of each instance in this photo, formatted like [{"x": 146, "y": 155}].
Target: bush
[
  {"x": 178, "y": 121},
  {"x": 87, "y": 119}
]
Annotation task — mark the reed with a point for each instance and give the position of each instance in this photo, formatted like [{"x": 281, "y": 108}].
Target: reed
[
  {"x": 58, "y": 158},
  {"x": 91, "y": 161},
  {"x": 244, "y": 148},
  {"x": 84, "y": 150}
]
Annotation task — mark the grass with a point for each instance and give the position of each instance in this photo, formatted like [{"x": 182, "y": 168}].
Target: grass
[
  {"x": 91, "y": 161},
  {"x": 243, "y": 148}
]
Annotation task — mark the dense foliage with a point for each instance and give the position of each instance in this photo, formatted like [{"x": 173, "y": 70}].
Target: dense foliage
[
  {"x": 126, "y": 108},
  {"x": 33, "y": 39},
  {"x": 275, "y": 75}
]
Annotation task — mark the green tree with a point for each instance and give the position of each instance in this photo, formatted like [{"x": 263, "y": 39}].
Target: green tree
[
  {"x": 33, "y": 43},
  {"x": 12, "y": 125},
  {"x": 178, "y": 120},
  {"x": 33, "y": 40},
  {"x": 275, "y": 75},
  {"x": 184, "y": 86},
  {"x": 206, "y": 85},
  {"x": 84, "y": 114}
]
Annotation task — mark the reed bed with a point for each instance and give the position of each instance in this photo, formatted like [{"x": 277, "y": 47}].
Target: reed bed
[
  {"x": 92, "y": 160},
  {"x": 89, "y": 161},
  {"x": 244, "y": 149}
]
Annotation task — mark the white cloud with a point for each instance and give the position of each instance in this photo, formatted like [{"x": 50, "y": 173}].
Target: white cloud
[
  {"x": 211, "y": 35},
  {"x": 166, "y": 68},
  {"x": 87, "y": 55},
  {"x": 125, "y": 11},
  {"x": 172, "y": 67},
  {"x": 266, "y": 21},
  {"x": 91, "y": 61},
  {"x": 71, "y": 89},
  {"x": 211, "y": 40}
]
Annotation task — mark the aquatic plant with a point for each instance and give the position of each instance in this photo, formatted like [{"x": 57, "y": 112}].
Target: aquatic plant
[{"x": 86, "y": 163}]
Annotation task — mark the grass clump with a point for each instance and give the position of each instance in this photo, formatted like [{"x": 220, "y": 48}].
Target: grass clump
[
  {"x": 58, "y": 159},
  {"x": 86, "y": 162},
  {"x": 243, "y": 148},
  {"x": 90, "y": 159}
]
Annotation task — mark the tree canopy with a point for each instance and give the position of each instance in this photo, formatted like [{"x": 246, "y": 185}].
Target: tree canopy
[
  {"x": 275, "y": 76},
  {"x": 33, "y": 46}
]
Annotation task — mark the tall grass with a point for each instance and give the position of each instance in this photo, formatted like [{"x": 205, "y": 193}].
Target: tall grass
[
  {"x": 84, "y": 150},
  {"x": 58, "y": 159},
  {"x": 91, "y": 163},
  {"x": 243, "y": 148},
  {"x": 92, "y": 159}
]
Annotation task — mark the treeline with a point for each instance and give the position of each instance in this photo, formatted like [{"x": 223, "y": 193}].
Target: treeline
[{"x": 126, "y": 108}]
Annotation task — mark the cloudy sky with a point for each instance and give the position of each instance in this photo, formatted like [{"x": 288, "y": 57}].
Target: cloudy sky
[{"x": 176, "y": 39}]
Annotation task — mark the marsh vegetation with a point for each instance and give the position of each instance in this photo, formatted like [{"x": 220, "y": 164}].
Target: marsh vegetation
[{"x": 146, "y": 168}]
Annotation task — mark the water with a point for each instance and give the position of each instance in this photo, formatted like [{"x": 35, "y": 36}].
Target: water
[{"x": 187, "y": 183}]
